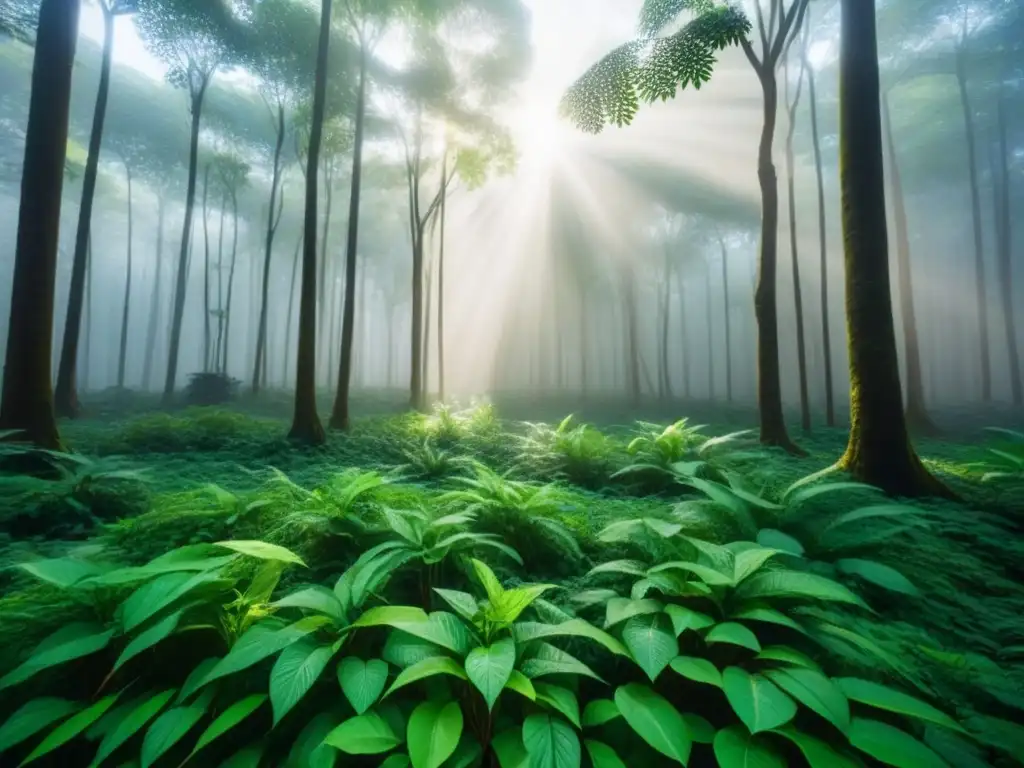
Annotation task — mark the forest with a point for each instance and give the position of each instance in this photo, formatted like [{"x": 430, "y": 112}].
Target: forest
[{"x": 511, "y": 383}]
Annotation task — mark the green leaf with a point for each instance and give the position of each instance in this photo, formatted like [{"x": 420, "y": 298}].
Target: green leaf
[
  {"x": 768, "y": 616},
  {"x": 697, "y": 669},
  {"x": 735, "y": 748},
  {"x": 488, "y": 580},
  {"x": 362, "y": 682},
  {"x": 701, "y": 731},
  {"x": 651, "y": 642},
  {"x": 229, "y": 718},
  {"x": 131, "y": 724},
  {"x": 599, "y": 711},
  {"x": 148, "y": 638},
  {"x": 168, "y": 729},
  {"x": 403, "y": 650},
  {"x": 787, "y": 655},
  {"x": 73, "y": 641},
  {"x": 509, "y": 748},
  {"x": 560, "y": 699},
  {"x": 261, "y": 642},
  {"x": 294, "y": 673},
  {"x": 521, "y": 684},
  {"x": 601, "y": 755},
  {"x": 264, "y": 582},
  {"x": 684, "y": 619},
  {"x": 655, "y": 720},
  {"x": 891, "y": 745},
  {"x": 758, "y": 702},
  {"x": 624, "y": 567},
  {"x": 151, "y": 598},
  {"x": 795, "y": 585},
  {"x": 551, "y": 742},
  {"x": 434, "y": 665},
  {"x": 734, "y": 634},
  {"x": 248, "y": 757},
  {"x": 770, "y": 537},
  {"x": 32, "y": 717},
  {"x": 883, "y": 697},
  {"x": 815, "y": 691},
  {"x": 708, "y": 575},
  {"x": 441, "y": 628},
  {"x": 817, "y": 753},
  {"x": 490, "y": 668},
  {"x": 262, "y": 551},
  {"x": 749, "y": 561},
  {"x": 513, "y": 602},
  {"x": 71, "y": 727},
  {"x": 391, "y": 616},
  {"x": 309, "y": 749},
  {"x": 619, "y": 609},
  {"x": 365, "y": 734},
  {"x": 61, "y": 571},
  {"x": 880, "y": 575},
  {"x": 549, "y": 660},
  {"x": 316, "y": 598},
  {"x": 525, "y": 631},
  {"x": 195, "y": 678},
  {"x": 433, "y": 733},
  {"x": 462, "y": 603}
]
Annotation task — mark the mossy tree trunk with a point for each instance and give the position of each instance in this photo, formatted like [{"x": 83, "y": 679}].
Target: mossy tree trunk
[
  {"x": 122, "y": 353},
  {"x": 226, "y": 320},
  {"x": 26, "y": 402},
  {"x": 725, "y": 309},
  {"x": 156, "y": 298},
  {"x": 268, "y": 249},
  {"x": 879, "y": 451},
  {"x": 1004, "y": 232}
]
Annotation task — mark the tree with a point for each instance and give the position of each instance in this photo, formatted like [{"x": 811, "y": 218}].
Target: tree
[
  {"x": 26, "y": 402},
  {"x": 1004, "y": 237},
  {"x": 232, "y": 176},
  {"x": 879, "y": 451},
  {"x": 65, "y": 395}
]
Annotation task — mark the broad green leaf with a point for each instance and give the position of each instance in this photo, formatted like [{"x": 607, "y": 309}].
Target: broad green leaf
[
  {"x": 521, "y": 684},
  {"x": 549, "y": 660},
  {"x": 489, "y": 668},
  {"x": 708, "y": 575},
  {"x": 655, "y": 720},
  {"x": 525, "y": 631},
  {"x": 248, "y": 757},
  {"x": 891, "y": 745},
  {"x": 749, "y": 561},
  {"x": 795, "y": 585},
  {"x": 294, "y": 673},
  {"x": 195, "y": 678},
  {"x": 551, "y": 742},
  {"x": 259, "y": 643},
  {"x": 468, "y": 753},
  {"x": 435, "y": 728},
  {"x": 365, "y": 734},
  {"x": 883, "y": 697},
  {"x": 734, "y": 634},
  {"x": 362, "y": 682},
  {"x": 441, "y": 628},
  {"x": 880, "y": 575},
  {"x": 151, "y": 598},
  {"x": 262, "y": 551},
  {"x": 488, "y": 580},
  {"x": 815, "y": 691},
  {"x": 509, "y": 749},
  {"x": 462, "y": 603},
  {"x": 71, "y": 727},
  {"x": 701, "y": 731},
  {"x": 768, "y": 616},
  {"x": 390, "y": 616},
  {"x": 697, "y": 669},
  {"x": 619, "y": 609},
  {"x": 168, "y": 729},
  {"x": 684, "y": 619},
  {"x": 514, "y": 601},
  {"x": 817, "y": 753},
  {"x": 735, "y": 748},
  {"x": 560, "y": 699},
  {"x": 651, "y": 642},
  {"x": 148, "y": 638},
  {"x": 229, "y": 718},
  {"x": 316, "y": 598},
  {"x": 264, "y": 582},
  {"x": 787, "y": 655},
  {"x": 601, "y": 755},
  {"x": 403, "y": 650},
  {"x": 770, "y": 537},
  {"x": 434, "y": 665},
  {"x": 309, "y": 749},
  {"x": 624, "y": 567},
  {"x": 758, "y": 702},
  {"x": 32, "y": 717},
  {"x": 61, "y": 571},
  {"x": 599, "y": 711},
  {"x": 131, "y": 724},
  {"x": 72, "y": 641}
]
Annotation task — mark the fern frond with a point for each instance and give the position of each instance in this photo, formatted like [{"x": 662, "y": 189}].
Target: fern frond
[{"x": 655, "y": 15}]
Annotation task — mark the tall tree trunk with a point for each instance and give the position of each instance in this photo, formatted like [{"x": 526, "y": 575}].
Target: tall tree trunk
[
  {"x": 632, "y": 341},
  {"x": 122, "y": 355},
  {"x": 206, "y": 272},
  {"x": 220, "y": 287},
  {"x": 65, "y": 395},
  {"x": 709, "y": 321},
  {"x": 231, "y": 279},
  {"x": 980, "y": 288},
  {"x": 769, "y": 382},
  {"x": 268, "y": 248},
  {"x": 428, "y": 296},
  {"x": 665, "y": 309},
  {"x": 87, "y": 341},
  {"x": 26, "y": 404},
  {"x": 879, "y": 451},
  {"x": 339, "y": 414},
  {"x": 323, "y": 281},
  {"x": 289, "y": 334},
  {"x": 584, "y": 340},
  {"x": 918, "y": 419},
  {"x": 728, "y": 330},
  {"x": 155, "y": 299},
  {"x": 305, "y": 421},
  {"x": 826, "y": 337},
  {"x": 1004, "y": 231},
  {"x": 440, "y": 280},
  {"x": 416, "y": 372},
  {"x": 798, "y": 300},
  {"x": 391, "y": 348},
  {"x": 683, "y": 341}
]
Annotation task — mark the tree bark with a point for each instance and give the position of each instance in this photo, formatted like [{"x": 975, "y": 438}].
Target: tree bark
[
  {"x": 231, "y": 280},
  {"x": 122, "y": 355},
  {"x": 206, "y": 272},
  {"x": 155, "y": 299},
  {"x": 261, "y": 338},
  {"x": 683, "y": 342},
  {"x": 340, "y": 414},
  {"x": 879, "y": 451},
  {"x": 87, "y": 340},
  {"x": 26, "y": 404},
  {"x": 289, "y": 335},
  {"x": 727, "y": 324},
  {"x": 440, "y": 280},
  {"x": 918, "y": 419},
  {"x": 66, "y": 395},
  {"x": 709, "y": 322},
  {"x": 1004, "y": 231},
  {"x": 306, "y": 424},
  {"x": 632, "y": 341}
]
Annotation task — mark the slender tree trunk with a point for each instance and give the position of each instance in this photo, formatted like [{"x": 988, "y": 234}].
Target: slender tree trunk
[
  {"x": 391, "y": 349},
  {"x": 155, "y": 299},
  {"x": 305, "y": 422},
  {"x": 215, "y": 364},
  {"x": 231, "y": 279},
  {"x": 584, "y": 340},
  {"x": 122, "y": 356},
  {"x": 87, "y": 341},
  {"x": 1004, "y": 230},
  {"x": 826, "y": 337},
  {"x": 728, "y": 330},
  {"x": 26, "y": 404},
  {"x": 340, "y": 414},
  {"x": 979, "y": 251},
  {"x": 683, "y": 341},
  {"x": 440, "y": 280},
  {"x": 261, "y": 338},
  {"x": 428, "y": 290},
  {"x": 289, "y": 333},
  {"x": 325, "y": 281},
  {"x": 709, "y": 321},
  {"x": 666, "y": 310},
  {"x": 632, "y": 340},
  {"x": 879, "y": 451},
  {"x": 206, "y": 273},
  {"x": 65, "y": 395},
  {"x": 918, "y": 419}
]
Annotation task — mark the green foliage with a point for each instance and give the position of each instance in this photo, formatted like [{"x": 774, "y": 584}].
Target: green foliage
[
  {"x": 427, "y": 462},
  {"x": 1009, "y": 464},
  {"x": 195, "y": 429},
  {"x": 574, "y": 453}
]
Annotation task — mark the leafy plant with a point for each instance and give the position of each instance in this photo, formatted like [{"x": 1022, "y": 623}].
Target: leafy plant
[
  {"x": 575, "y": 453},
  {"x": 210, "y": 388},
  {"x": 1009, "y": 456},
  {"x": 426, "y": 461}
]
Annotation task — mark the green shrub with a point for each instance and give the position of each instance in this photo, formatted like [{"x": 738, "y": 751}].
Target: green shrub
[{"x": 572, "y": 453}]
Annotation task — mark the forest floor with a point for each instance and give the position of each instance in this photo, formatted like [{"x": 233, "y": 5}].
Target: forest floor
[{"x": 150, "y": 481}]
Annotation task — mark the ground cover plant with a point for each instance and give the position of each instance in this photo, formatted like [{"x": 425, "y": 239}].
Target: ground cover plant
[{"x": 352, "y": 607}]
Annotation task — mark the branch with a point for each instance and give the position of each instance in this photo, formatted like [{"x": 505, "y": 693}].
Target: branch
[
  {"x": 760, "y": 26},
  {"x": 787, "y": 28}
]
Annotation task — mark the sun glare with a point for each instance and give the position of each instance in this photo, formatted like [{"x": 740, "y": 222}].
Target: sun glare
[{"x": 539, "y": 134}]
